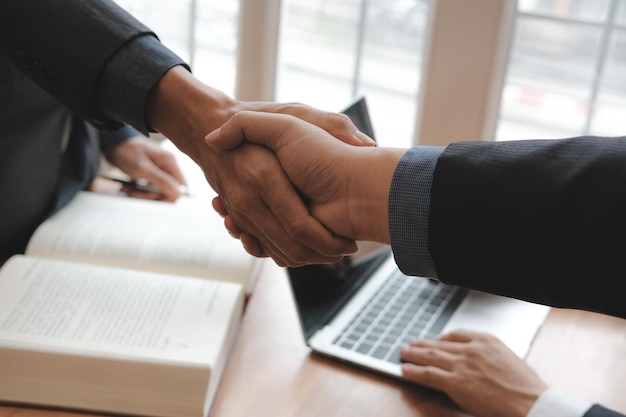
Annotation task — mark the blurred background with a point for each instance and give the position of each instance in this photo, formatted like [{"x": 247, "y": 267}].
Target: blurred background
[{"x": 563, "y": 72}]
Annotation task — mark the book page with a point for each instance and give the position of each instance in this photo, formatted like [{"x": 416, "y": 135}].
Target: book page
[
  {"x": 92, "y": 310},
  {"x": 141, "y": 234}
]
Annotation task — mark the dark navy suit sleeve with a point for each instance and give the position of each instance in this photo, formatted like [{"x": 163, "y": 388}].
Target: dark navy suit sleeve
[
  {"x": 600, "y": 411},
  {"x": 541, "y": 220},
  {"x": 74, "y": 49}
]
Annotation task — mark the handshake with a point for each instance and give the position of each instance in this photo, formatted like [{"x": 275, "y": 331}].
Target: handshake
[{"x": 306, "y": 195}]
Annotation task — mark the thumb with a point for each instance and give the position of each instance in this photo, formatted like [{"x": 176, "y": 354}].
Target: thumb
[{"x": 264, "y": 129}]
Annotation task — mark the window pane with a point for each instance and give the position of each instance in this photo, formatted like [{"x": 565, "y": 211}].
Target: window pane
[
  {"x": 168, "y": 19},
  {"x": 215, "y": 52},
  {"x": 608, "y": 116},
  {"x": 318, "y": 46},
  {"x": 208, "y": 42},
  {"x": 390, "y": 70},
  {"x": 326, "y": 59},
  {"x": 551, "y": 70},
  {"x": 621, "y": 15},
  {"x": 588, "y": 10}
]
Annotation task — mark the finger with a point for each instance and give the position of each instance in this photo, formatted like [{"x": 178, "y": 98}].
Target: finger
[
  {"x": 300, "y": 226},
  {"x": 428, "y": 356},
  {"x": 461, "y": 336},
  {"x": 261, "y": 128},
  {"x": 280, "y": 220},
  {"x": 234, "y": 230},
  {"x": 166, "y": 162},
  {"x": 171, "y": 187},
  {"x": 218, "y": 206},
  {"x": 453, "y": 347},
  {"x": 428, "y": 376},
  {"x": 337, "y": 124},
  {"x": 277, "y": 244},
  {"x": 145, "y": 195},
  {"x": 281, "y": 198},
  {"x": 252, "y": 246},
  {"x": 259, "y": 228}
]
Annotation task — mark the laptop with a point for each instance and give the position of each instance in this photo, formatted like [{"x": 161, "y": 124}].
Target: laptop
[{"x": 363, "y": 310}]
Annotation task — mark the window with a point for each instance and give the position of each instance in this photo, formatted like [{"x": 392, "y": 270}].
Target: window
[
  {"x": 567, "y": 70},
  {"x": 331, "y": 51},
  {"x": 562, "y": 73},
  {"x": 202, "y": 32}
]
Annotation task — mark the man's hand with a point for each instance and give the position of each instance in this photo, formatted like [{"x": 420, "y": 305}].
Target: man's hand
[
  {"x": 252, "y": 186},
  {"x": 345, "y": 187},
  {"x": 142, "y": 158},
  {"x": 477, "y": 371}
]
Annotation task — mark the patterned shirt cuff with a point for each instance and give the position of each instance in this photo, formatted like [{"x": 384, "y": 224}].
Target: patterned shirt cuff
[{"x": 409, "y": 204}]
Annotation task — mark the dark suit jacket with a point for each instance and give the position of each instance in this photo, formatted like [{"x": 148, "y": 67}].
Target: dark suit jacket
[
  {"x": 88, "y": 58},
  {"x": 599, "y": 411},
  {"x": 539, "y": 220}
]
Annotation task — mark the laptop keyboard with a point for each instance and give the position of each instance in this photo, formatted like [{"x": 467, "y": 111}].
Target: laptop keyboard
[{"x": 404, "y": 308}]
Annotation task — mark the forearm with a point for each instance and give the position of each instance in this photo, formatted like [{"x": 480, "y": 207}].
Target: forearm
[
  {"x": 371, "y": 172},
  {"x": 184, "y": 109}
]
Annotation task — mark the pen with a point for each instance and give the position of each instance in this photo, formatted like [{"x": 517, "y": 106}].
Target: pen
[{"x": 142, "y": 185}]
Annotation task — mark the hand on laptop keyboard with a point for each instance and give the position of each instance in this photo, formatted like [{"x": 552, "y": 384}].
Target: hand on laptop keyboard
[{"x": 477, "y": 371}]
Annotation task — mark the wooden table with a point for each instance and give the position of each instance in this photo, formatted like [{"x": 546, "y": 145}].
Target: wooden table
[{"x": 272, "y": 373}]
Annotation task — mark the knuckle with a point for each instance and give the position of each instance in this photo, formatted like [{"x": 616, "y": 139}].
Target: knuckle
[
  {"x": 340, "y": 121},
  {"x": 296, "y": 229},
  {"x": 429, "y": 352},
  {"x": 296, "y": 255}
]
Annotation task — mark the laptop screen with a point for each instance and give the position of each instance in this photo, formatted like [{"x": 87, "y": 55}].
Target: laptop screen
[
  {"x": 321, "y": 290},
  {"x": 359, "y": 114}
]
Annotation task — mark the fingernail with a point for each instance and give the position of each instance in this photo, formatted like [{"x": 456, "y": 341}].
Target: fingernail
[
  {"x": 213, "y": 134},
  {"x": 183, "y": 189},
  {"x": 351, "y": 251},
  {"x": 365, "y": 139}
]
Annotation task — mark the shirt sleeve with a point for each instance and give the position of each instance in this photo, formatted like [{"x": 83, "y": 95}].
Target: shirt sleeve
[
  {"x": 554, "y": 402},
  {"x": 409, "y": 202}
]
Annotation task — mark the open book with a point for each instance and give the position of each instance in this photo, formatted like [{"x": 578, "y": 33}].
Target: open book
[
  {"x": 122, "y": 306},
  {"x": 181, "y": 238}
]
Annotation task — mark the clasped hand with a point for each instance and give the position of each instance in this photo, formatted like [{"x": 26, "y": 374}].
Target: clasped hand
[{"x": 344, "y": 187}]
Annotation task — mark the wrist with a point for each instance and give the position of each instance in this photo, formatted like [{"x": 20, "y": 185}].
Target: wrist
[
  {"x": 369, "y": 196},
  {"x": 184, "y": 109}
]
